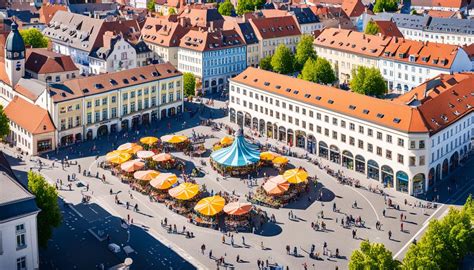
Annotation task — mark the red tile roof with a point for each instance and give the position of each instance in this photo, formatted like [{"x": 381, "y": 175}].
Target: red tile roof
[
  {"x": 439, "y": 3},
  {"x": 425, "y": 53},
  {"x": 92, "y": 85},
  {"x": 47, "y": 12},
  {"x": 163, "y": 31},
  {"x": 442, "y": 100},
  {"x": 352, "y": 41},
  {"x": 353, "y": 8},
  {"x": 32, "y": 118},
  {"x": 389, "y": 28},
  {"x": 203, "y": 40},
  {"x": 441, "y": 13},
  {"x": 266, "y": 28},
  {"x": 43, "y": 61},
  {"x": 382, "y": 112}
]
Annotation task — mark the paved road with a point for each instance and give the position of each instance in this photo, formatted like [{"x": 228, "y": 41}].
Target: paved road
[{"x": 147, "y": 233}]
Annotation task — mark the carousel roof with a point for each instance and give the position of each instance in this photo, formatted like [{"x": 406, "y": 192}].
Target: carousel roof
[{"x": 240, "y": 153}]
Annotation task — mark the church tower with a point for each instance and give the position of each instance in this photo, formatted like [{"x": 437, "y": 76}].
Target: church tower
[{"x": 14, "y": 55}]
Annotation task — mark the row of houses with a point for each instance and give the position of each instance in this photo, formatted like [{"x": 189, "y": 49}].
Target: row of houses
[
  {"x": 49, "y": 104},
  {"x": 402, "y": 62}
]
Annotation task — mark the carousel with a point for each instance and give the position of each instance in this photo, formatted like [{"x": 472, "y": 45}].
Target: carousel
[{"x": 240, "y": 158}]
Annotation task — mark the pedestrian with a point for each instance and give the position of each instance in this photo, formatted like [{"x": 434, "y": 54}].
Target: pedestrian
[
  {"x": 401, "y": 217},
  {"x": 232, "y": 240},
  {"x": 288, "y": 249},
  {"x": 295, "y": 251},
  {"x": 203, "y": 248},
  {"x": 210, "y": 254},
  {"x": 401, "y": 227},
  {"x": 354, "y": 233},
  {"x": 243, "y": 240},
  {"x": 223, "y": 239},
  {"x": 128, "y": 217},
  {"x": 238, "y": 258},
  {"x": 383, "y": 212},
  {"x": 87, "y": 187},
  {"x": 258, "y": 263},
  {"x": 111, "y": 192},
  {"x": 389, "y": 235},
  {"x": 262, "y": 246}
]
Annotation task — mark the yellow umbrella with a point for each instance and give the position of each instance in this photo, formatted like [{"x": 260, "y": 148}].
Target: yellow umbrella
[
  {"x": 280, "y": 160},
  {"x": 174, "y": 139},
  {"x": 296, "y": 176},
  {"x": 164, "y": 180},
  {"x": 147, "y": 175},
  {"x": 117, "y": 157},
  {"x": 149, "y": 140},
  {"x": 184, "y": 191},
  {"x": 130, "y": 148},
  {"x": 268, "y": 156},
  {"x": 227, "y": 140},
  {"x": 132, "y": 165},
  {"x": 210, "y": 206}
]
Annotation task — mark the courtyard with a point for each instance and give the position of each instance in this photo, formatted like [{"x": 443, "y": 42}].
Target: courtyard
[{"x": 329, "y": 202}]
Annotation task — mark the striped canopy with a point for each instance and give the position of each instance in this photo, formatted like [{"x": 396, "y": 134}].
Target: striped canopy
[{"x": 240, "y": 153}]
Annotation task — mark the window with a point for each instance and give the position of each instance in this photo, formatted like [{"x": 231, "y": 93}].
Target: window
[
  {"x": 388, "y": 154},
  {"x": 334, "y": 121},
  {"x": 379, "y": 151},
  {"x": 421, "y": 144},
  {"x": 334, "y": 135},
  {"x": 104, "y": 101},
  {"x": 400, "y": 158},
  {"x": 326, "y": 119},
  {"x": 389, "y": 138},
  {"x": 379, "y": 135},
  {"x": 114, "y": 99},
  {"x": 370, "y": 147},
  {"x": 422, "y": 160},
  {"x": 343, "y": 138},
  {"x": 89, "y": 117},
  {"x": 370, "y": 132},
  {"x": 125, "y": 96},
  {"x": 351, "y": 140},
  {"x": 20, "y": 236},
  {"x": 412, "y": 144},
  {"x": 343, "y": 123},
  {"x": 401, "y": 142},
  {"x": 97, "y": 102},
  {"x": 361, "y": 144},
  {"x": 326, "y": 132},
  {"x": 351, "y": 126},
  {"x": 21, "y": 263},
  {"x": 89, "y": 104},
  {"x": 361, "y": 129}
]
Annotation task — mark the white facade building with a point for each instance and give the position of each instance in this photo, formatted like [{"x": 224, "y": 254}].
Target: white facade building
[
  {"x": 388, "y": 141},
  {"x": 18, "y": 230}
]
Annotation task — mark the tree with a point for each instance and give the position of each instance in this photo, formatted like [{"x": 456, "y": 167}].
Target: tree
[
  {"x": 34, "y": 38},
  {"x": 318, "y": 71},
  {"x": 282, "y": 60},
  {"x": 304, "y": 51},
  {"x": 4, "y": 124},
  {"x": 372, "y": 256},
  {"x": 368, "y": 81},
  {"x": 372, "y": 28},
  {"x": 445, "y": 242},
  {"x": 385, "y": 5},
  {"x": 189, "y": 84},
  {"x": 245, "y": 6},
  {"x": 47, "y": 200},
  {"x": 171, "y": 11},
  {"x": 226, "y": 8},
  {"x": 150, "y": 5},
  {"x": 266, "y": 63}
]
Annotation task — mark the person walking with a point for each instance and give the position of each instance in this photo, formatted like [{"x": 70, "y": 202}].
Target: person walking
[
  {"x": 389, "y": 235},
  {"x": 288, "y": 249},
  {"x": 203, "y": 248},
  {"x": 210, "y": 254},
  {"x": 223, "y": 239},
  {"x": 243, "y": 240},
  {"x": 401, "y": 227}
]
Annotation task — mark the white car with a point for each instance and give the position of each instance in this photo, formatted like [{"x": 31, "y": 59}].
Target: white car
[{"x": 114, "y": 248}]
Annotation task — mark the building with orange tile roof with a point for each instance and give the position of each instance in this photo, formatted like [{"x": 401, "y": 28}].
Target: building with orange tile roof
[
  {"x": 443, "y": 5},
  {"x": 48, "y": 66},
  {"x": 403, "y": 63},
  {"x": 47, "y": 11},
  {"x": 390, "y": 141},
  {"x": 388, "y": 28},
  {"x": 31, "y": 127}
]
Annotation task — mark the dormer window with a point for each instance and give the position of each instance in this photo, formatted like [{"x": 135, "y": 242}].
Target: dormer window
[
  {"x": 412, "y": 58},
  {"x": 401, "y": 55}
]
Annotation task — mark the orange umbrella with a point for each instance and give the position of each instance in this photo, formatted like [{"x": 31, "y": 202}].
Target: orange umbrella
[
  {"x": 117, "y": 157},
  {"x": 147, "y": 175},
  {"x": 237, "y": 208},
  {"x": 132, "y": 165},
  {"x": 130, "y": 148},
  {"x": 149, "y": 140},
  {"x": 164, "y": 180},
  {"x": 145, "y": 154},
  {"x": 280, "y": 160},
  {"x": 185, "y": 191},
  {"x": 276, "y": 185},
  {"x": 162, "y": 157}
]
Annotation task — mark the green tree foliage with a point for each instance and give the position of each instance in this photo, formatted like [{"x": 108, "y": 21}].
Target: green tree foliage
[
  {"x": 189, "y": 84},
  {"x": 4, "y": 123},
  {"x": 445, "y": 242},
  {"x": 172, "y": 11},
  {"x": 150, "y": 5},
  {"x": 47, "y": 200},
  {"x": 368, "y": 81},
  {"x": 318, "y": 71},
  {"x": 304, "y": 51},
  {"x": 226, "y": 8},
  {"x": 385, "y": 5},
  {"x": 245, "y": 6},
  {"x": 372, "y": 256},
  {"x": 282, "y": 60},
  {"x": 372, "y": 28},
  {"x": 34, "y": 38},
  {"x": 266, "y": 63}
]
